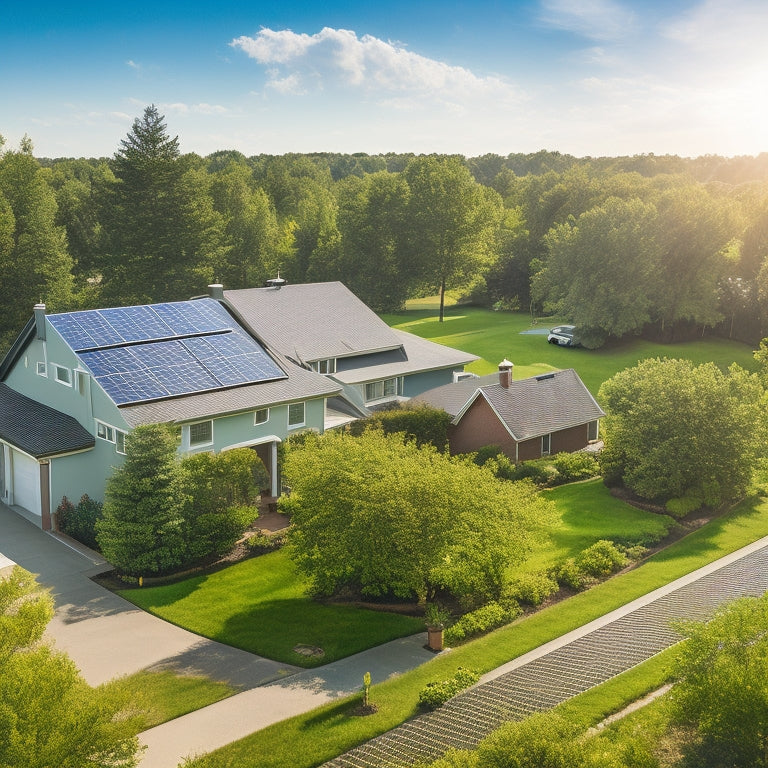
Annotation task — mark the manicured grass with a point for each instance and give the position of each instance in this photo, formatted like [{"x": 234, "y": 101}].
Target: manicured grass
[
  {"x": 261, "y": 606},
  {"x": 495, "y": 335},
  {"x": 313, "y": 738},
  {"x": 165, "y": 695},
  {"x": 587, "y": 513}
]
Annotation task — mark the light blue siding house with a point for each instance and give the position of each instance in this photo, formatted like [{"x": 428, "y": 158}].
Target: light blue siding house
[{"x": 232, "y": 369}]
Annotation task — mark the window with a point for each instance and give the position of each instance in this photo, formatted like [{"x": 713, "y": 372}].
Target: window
[
  {"x": 261, "y": 416},
  {"x": 296, "y": 415},
  {"x": 42, "y": 369},
  {"x": 376, "y": 390},
  {"x": 546, "y": 442},
  {"x": 325, "y": 366},
  {"x": 120, "y": 441},
  {"x": 105, "y": 432},
  {"x": 592, "y": 430},
  {"x": 62, "y": 375},
  {"x": 81, "y": 382},
  {"x": 201, "y": 433}
]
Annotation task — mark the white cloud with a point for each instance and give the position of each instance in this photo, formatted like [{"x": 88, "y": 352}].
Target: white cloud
[
  {"x": 132, "y": 64},
  {"x": 338, "y": 57},
  {"x": 594, "y": 19},
  {"x": 182, "y": 108}
]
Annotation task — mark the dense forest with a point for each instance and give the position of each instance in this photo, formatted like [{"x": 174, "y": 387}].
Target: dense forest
[{"x": 663, "y": 246}]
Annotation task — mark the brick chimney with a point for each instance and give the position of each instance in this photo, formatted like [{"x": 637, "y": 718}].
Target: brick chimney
[{"x": 505, "y": 373}]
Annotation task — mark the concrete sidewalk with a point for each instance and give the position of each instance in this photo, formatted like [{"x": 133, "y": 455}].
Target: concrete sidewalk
[{"x": 240, "y": 715}]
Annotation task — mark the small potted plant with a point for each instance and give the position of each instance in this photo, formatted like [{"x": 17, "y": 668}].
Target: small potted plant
[{"x": 435, "y": 618}]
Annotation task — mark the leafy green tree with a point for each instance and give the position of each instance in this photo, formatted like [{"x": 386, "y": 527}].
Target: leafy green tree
[
  {"x": 451, "y": 222},
  {"x": 723, "y": 684},
  {"x": 163, "y": 236},
  {"x": 381, "y": 516},
  {"x": 374, "y": 261},
  {"x": 600, "y": 270},
  {"x": 675, "y": 429},
  {"x": 220, "y": 493},
  {"x": 32, "y": 246},
  {"x": 141, "y": 531},
  {"x": 48, "y": 714}
]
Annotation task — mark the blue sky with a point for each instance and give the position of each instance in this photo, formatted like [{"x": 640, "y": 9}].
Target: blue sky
[{"x": 585, "y": 77}]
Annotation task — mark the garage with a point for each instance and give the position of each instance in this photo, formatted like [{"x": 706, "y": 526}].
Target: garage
[{"x": 25, "y": 484}]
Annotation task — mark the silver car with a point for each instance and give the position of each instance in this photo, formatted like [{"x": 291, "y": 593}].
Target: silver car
[{"x": 564, "y": 335}]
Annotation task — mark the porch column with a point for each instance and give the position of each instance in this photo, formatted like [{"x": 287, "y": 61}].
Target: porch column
[{"x": 275, "y": 473}]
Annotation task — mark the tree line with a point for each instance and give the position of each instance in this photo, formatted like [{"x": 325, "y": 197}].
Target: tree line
[{"x": 659, "y": 245}]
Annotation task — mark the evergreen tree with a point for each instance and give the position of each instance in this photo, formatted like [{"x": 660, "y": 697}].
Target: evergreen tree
[
  {"x": 141, "y": 531},
  {"x": 163, "y": 236}
]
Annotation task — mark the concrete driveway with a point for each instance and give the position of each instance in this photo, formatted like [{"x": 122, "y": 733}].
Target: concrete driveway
[{"x": 107, "y": 636}]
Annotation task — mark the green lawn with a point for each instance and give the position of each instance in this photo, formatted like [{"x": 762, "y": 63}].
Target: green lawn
[
  {"x": 165, "y": 695},
  {"x": 260, "y": 605},
  {"x": 587, "y": 513},
  {"x": 495, "y": 335},
  {"x": 313, "y": 738}
]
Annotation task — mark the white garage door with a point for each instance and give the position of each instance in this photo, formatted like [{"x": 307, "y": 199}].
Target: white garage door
[{"x": 26, "y": 482}]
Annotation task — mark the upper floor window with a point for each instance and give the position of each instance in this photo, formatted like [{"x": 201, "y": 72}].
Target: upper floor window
[
  {"x": 324, "y": 366},
  {"x": 201, "y": 433},
  {"x": 261, "y": 416},
  {"x": 120, "y": 441},
  {"x": 296, "y": 415},
  {"x": 62, "y": 375},
  {"x": 81, "y": 381},
  {"x": 105, "y": 432},
  {"x": 42, "y": 368},
  {"x": 376, "y": 390}
]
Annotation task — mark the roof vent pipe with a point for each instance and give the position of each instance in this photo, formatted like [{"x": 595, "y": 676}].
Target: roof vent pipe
[
  {"x": 276, "y": 282},
  {"x": 216, "y": 291},
  {"x": 40, "y": 320},
  {"x": 505, "y": 373}
]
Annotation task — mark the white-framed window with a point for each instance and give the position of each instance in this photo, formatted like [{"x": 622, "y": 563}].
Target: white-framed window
[
  {"x": 200, "y": 433},
  {"x": 120, "y": 441},
  {"x": 324, "y": 366},
  {"x": 296, "y": 415},
  {"x": 546, "y": 444},
  {"x": 592, "y": 430},
  {"x": 81, "y": 381},
  {"x": 105, "y": 432},
  {"x": 261, "y": 416},
  {"x": 376, "y": 390},
  {"x": 62, "y": 375},
  {"x": 42, "y": 368}
]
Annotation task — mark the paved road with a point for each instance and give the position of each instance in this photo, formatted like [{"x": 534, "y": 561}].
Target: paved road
[{"x": 567, "y": 666}]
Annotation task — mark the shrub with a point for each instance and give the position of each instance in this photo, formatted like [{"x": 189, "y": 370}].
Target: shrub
[
  {"x": 487, "y": 452},
  {"x": 602, "y": 558},
  {"x": 531, "y": 588},
  {"x": 540, "y": 471},
  {"x": 419, "y": 422},
  {"x": 261, "y": 543},
  {"x": 435, "y": 694},
  {"x": 79, "y": 521},
  {"x": 575, "y": 466},
  {"x": 684, "y": 505},
  {"x": 482, "y": 620},
  {"x": 570, "y": 575}
]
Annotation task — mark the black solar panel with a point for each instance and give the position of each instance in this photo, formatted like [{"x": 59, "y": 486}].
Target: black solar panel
[{"x": 165, "y": 350}]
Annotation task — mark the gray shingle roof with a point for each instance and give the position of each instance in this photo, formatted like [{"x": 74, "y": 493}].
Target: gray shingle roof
[
  {"x": 301, "y": 384},
  {"x": 38, "y": 429},
  {"x": 312, "y": 321},
  {"x": 529, "y": 407}
]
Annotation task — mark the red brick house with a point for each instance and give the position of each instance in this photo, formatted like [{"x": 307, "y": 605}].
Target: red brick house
[{"x": 526, "y": 418}]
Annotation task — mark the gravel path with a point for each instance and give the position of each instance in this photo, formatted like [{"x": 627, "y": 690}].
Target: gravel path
[{"x": 568, "y": 670}]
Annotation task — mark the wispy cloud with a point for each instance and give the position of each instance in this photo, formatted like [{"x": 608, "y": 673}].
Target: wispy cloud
[
  {"x": 180, "y": 108},
  {"x": 132, "y": 64},
  {"x": 301, "y": 63},
  {"x": 594, "y": 19}
]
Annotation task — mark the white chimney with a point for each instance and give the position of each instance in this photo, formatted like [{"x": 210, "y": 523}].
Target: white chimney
[
  {"x": 216, "y": 291},
  {"x": 40, "y": 320},
  {"x": 505, "y": 373}
]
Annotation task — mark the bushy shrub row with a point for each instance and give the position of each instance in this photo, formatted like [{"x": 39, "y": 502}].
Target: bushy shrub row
[
  {"x": 531, "y": 588},
  {"x": 435, "y": 694},
  {"x": 481, "y": 620},
  {"x": 600, "y": 559},
  {"x": 422, "y": 423},
  {"x": 261, "y": 543},
  {"x": 545, "y": 472},
  {"x": 79, "y": 521}
]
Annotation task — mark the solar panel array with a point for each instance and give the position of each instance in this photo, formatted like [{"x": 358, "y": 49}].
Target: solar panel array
[{"x": 165, "y": 350}]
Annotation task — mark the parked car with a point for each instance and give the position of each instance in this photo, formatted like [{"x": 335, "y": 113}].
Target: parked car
[{"x": 564, "y": 335}]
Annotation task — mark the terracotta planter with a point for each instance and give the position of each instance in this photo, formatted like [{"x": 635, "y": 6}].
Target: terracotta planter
[{"x": 435, "y": 638}]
